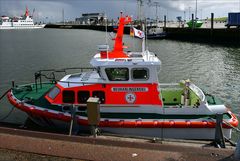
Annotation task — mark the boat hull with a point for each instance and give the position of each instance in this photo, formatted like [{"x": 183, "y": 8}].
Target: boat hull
[
  {"x": 157, "y": 36},
  {"x": 21, "y": 27},
  {"x": 178, "y": 129},
  {"x": 173, "y": 133}
]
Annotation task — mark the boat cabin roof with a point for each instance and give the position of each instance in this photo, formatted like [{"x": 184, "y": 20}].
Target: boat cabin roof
[{"x": 145, "y": 58}]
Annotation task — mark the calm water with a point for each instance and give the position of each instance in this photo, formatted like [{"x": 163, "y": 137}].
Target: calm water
[{"x": 22, "y": 52}]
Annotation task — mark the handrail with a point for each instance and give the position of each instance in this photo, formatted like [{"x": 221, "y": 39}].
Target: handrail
[{"x": 50, "y": 74}]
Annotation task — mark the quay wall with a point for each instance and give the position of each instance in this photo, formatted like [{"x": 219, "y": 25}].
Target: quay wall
[
  {"x": 218, "y": 35},
  {"x": 206, "y": 35}
]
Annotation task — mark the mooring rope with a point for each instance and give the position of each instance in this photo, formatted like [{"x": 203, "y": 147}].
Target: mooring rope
[
  {"x": 228, "y": 124},
  {"x": 9, "y": 113},
  {"x": 5, "y": 94}
]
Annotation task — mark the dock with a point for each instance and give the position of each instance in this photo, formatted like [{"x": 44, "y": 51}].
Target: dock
[
  {"x": 54, "y": 146},
  {"x": 228, "y": 36}
]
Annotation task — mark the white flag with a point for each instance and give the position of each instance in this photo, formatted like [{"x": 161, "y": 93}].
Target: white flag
[{"x": 138, "y": 33}]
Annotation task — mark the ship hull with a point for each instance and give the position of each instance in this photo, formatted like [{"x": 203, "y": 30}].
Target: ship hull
[
  {"x": 172, "y": 133},
  {"x": 201, "y": 128},
  {"x": 21, "y": 27}
]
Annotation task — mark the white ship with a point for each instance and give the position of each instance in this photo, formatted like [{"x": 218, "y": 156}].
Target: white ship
[{"x": 25, "y": 22}]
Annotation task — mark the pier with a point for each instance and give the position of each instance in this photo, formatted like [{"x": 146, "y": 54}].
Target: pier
[
  {"x": 27, "y": 143},
  {"x": 229, "y": 36}
]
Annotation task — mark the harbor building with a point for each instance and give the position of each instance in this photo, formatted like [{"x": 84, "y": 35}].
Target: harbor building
[{"x": 90, "y": 18}]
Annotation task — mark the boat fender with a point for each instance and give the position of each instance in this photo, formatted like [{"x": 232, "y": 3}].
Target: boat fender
[
  {"x": 121, "y": 122},
  {"x": 188, "y": 123},
  {"x": 172, "y": 122},
  {"x": 138, "y": 123},
  {"x": 155, "y": 123},
  {"x": 187, "y": 102},
  {"x": 182, "y": 99},
  {"x": 205, "y": 123}
]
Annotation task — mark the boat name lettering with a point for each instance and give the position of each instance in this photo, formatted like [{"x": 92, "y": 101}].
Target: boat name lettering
[{"x": 129, "y": 89}]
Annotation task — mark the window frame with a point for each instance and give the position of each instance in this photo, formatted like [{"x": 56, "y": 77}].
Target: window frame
[
  {"x": 148, "y": 74},
  {"x": 109, "y": 76},
  {"x": 100, "y": 99},
  {"x": 78, "y": 96},
  {"x": 74, "y": 99},
  {"x": 59, "y": 91}
]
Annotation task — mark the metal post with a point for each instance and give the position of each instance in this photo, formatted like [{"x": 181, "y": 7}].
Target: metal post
[
  {"x": 93, "y": 112},
  {"x": 212, "y": 17},
  {"x": 94, "y": 131},
  {"x": 219, "y": 138},
  {"x": 13, "y": 84},
  {"x": 36, "y": 84},
  {"x": 40, "y": 78},
  {"x": 165, "y": 21},
  {"x": 73, "y": 114},
  {"x": 193, "y": 22}
]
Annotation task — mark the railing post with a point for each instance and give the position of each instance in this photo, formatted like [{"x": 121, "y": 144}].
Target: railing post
[
  {"x": 36, "y": 83},
  {"x": 219, "y": 138}
]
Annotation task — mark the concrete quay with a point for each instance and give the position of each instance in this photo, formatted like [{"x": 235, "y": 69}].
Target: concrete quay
[
  {"x": 26, "y": 144},
  {"x": 206, "y": 35}
]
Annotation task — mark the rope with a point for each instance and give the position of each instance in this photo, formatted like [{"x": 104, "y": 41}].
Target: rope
[
  {"x": 5, "y": 94},
  {"x": 228, "y": 124},
  {"x": 9, "y": 113}
]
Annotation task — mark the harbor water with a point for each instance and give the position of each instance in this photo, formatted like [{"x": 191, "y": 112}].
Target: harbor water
[{"x": 216, "y": 69}]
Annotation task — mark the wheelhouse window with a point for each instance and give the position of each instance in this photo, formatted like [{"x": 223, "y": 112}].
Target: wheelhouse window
[
  {"x": 117, "y": 74},
  {"x": 83, "y": 96},
  {"x": 100, "y": 95},
  {"x": 140, "y": 74},
  {"x": 53, "y": 92},
  {"x": 68, "y": 96}
]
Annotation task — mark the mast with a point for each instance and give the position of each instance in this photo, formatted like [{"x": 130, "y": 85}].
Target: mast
[
  {"x": 26, "y": 12},
  {"x": 156, "y": 4},
  {"x": 117, "y": 51}
]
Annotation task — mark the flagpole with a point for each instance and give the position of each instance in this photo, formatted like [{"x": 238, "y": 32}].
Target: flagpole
[{"x": 143, "y": 39}]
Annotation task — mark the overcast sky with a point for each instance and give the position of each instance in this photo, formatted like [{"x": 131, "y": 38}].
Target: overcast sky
[{"x": 51, "y": 10}]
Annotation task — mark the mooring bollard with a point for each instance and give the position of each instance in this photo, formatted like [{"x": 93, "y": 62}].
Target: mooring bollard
[
  {"x": 93, "y": 112},
  {"x": 237, "y": 151}
]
